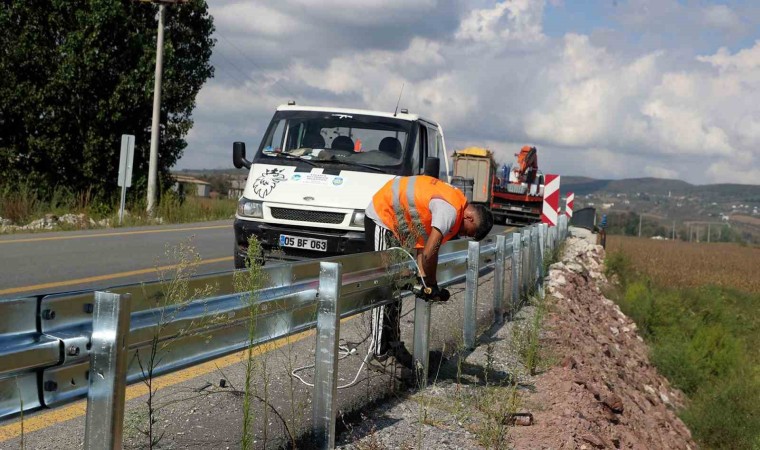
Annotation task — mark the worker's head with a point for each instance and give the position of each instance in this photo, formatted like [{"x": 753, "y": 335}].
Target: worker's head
[{"x": 477, "y": 221}]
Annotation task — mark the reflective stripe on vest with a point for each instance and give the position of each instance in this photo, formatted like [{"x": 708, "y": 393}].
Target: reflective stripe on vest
[
  {"x": 418, "y": 230},
  {"x": 411, "y": 223}
]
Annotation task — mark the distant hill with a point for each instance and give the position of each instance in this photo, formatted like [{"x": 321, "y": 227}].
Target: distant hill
[{"x": 660, "y": 186}]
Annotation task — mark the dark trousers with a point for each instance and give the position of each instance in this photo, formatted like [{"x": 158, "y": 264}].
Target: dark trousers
[{"x": 386, "y": 320}]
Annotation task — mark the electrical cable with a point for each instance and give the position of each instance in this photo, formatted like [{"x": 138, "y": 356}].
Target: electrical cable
[
  {"x": 345, "y": 352},
  {"x": 414, "y": 261}
]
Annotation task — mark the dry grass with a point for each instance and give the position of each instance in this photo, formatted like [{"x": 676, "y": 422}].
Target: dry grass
[
  {"x": 749, "y": 220},
  {"x": 684, "y": 264}
]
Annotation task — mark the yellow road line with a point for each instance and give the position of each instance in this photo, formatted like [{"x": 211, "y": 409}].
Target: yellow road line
[
  {"x": 78, "y": 409},
  {"x": 55, "y": 284},
  {"x": 124, "y": 233}
]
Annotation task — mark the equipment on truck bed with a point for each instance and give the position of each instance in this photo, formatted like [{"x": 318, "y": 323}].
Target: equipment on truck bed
[
  {"x": 514, "y": 196},
  {"x": 519, "y": 198}
]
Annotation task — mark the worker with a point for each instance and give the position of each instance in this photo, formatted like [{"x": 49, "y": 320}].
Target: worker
[{"x": 418, "y": 213}]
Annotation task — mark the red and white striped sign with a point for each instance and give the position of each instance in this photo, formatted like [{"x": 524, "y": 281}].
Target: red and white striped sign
[
  {"x": 569, "y": 204},
  {"x": 550, "y": 212}
]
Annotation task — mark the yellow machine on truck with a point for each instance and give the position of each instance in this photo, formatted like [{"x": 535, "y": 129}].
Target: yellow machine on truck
[{"x": 515, "y": 197}]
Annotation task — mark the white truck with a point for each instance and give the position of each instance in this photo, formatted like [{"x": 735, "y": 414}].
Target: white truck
[{"x": 317, "y": 169}]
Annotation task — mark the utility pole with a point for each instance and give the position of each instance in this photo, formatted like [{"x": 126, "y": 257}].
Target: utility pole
[
  {"x": 640, "y": 225},
  {"x": 155, "y": 124},
  {"x": 708, "y": 233},
  {"x": 154, "y": 128},
  {"x": 674, "y": 231}
]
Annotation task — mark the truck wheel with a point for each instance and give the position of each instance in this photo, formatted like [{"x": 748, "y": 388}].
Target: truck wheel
[{"x": 239, "y": 260}]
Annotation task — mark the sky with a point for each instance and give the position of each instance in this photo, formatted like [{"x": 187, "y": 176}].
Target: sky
[{"x": 603, "y": 88}]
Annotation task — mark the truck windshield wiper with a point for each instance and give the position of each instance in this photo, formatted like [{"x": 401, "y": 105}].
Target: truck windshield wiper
[
  {"x": 351, "y": 163},
  {"x": 297, "y": 158}
]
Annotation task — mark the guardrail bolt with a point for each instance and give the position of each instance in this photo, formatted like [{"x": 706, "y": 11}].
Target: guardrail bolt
[
  {"x": 73, "y": 350},
  {"x": 50, "y": 386},
  {"x": 48, "y": 314},
  {"x": 88, "y": 308}
]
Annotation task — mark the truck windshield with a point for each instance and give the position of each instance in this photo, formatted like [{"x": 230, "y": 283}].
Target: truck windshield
[{"x": 324, "y": 138}]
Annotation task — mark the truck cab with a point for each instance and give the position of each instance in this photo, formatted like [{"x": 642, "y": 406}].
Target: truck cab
[{"x": 316, "y": 170}]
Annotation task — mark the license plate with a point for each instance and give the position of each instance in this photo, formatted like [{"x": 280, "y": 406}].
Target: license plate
[{"x": 319, "y": 245}]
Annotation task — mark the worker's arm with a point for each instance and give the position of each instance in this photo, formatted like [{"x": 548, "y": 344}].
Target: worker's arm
[{"x": 427, "y": 257}]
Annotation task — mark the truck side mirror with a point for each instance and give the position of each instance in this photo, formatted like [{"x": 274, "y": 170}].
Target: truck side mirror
[
  {"x": 433, "y": 167},
  {"x": 238, "y": 156}
]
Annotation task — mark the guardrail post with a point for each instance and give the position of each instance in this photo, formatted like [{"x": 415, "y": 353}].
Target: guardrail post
[
  {"x": 421, "y": 339},
  {"x": 536, "y": 258},
  {"x": 104, "y": 423},
  {"x": 325, "y": 391},
  {"x": 524, "y": 263},
  {"x": 528, "y": 267},
  {"x": 542, "y": 238},
  {"x": 516, "y": 262},
  {"x": 471, "y": 294},
  {"x": 498, "y": 278}
]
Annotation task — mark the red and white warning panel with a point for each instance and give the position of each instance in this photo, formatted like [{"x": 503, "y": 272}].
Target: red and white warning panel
[
  {"x": 550, "y": 212},
  {"x": 569, "y": 204}
]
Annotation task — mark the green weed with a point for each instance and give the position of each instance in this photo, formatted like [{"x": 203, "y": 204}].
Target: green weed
[{"x": 704, "y": 340}]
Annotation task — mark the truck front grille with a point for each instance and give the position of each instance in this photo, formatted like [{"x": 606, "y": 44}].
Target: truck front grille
[{"x": 304, "y": 215}]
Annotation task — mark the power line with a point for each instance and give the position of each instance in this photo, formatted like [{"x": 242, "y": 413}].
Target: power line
[{"x": 274, "y": 81}]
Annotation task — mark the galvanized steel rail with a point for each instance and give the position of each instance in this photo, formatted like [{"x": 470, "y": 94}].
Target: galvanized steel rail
[{"x": 58, "y": 348}]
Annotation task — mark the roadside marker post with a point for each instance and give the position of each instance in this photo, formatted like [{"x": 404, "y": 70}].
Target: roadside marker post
[
  {"x": 126, "y": 160},
  {"x": 569, "y": 203},
  {"x": 550, "y": 209}
]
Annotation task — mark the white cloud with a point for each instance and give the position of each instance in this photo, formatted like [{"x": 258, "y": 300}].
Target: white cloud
[
  {"x": 721, "y": 16},
  {"x": 506, "y": 21},
  {"x": 497, "y": 80},
  {"x": 728, "y": 172},
  {"x": 661, "y": 172}
]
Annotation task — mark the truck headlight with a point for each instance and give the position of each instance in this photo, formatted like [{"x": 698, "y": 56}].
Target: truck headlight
[
  {"x": 250, "y": 208},
  {"x": 357, "y": 220}
]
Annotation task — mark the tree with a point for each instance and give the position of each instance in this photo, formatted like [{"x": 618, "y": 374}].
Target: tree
[{"x": 77, "y": 74}]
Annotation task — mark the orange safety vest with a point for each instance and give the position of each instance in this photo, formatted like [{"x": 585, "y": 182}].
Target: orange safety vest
[{"x": 410, "y": 197}]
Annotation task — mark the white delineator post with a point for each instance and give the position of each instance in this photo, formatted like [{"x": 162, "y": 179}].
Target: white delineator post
[{"x": 126, "y": 158}]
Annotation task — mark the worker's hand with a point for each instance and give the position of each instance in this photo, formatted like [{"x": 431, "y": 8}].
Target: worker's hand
[{"x": 434, "y": 294}]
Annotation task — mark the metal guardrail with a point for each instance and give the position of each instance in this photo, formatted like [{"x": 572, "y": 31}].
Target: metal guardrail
[{"x": 55, "y": 349}]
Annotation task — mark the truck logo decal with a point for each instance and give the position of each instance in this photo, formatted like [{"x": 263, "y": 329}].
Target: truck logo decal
[{"x": 267, "y": 181}]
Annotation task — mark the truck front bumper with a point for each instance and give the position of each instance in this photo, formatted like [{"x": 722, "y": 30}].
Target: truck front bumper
[{"x": 338, "y": 241}]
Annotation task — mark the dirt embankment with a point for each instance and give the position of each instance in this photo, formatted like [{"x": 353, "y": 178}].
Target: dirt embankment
[{"x": 604, "y": 393}]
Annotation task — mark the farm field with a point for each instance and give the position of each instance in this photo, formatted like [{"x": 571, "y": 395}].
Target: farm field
[
  {"x": 685, "y": 264},
  {"x": 696, "y": 305}
]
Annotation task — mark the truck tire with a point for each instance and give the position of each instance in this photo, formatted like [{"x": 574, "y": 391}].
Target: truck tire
[{"x": 239, "y": 260}]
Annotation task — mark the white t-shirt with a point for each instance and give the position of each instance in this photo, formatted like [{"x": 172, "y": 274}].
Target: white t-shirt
[{"x": 444, "y": 215}]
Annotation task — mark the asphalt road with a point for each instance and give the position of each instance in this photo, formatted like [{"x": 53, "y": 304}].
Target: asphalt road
[{"x": 41, "y": 263}]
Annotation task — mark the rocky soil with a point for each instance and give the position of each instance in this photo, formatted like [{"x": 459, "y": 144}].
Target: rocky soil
[
  {"x": 605, "y": 393},
  {"x": 595, "y": 388},
  {"x": 53, "y": 222}
]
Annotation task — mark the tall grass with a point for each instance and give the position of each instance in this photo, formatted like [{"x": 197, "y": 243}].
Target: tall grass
[
  {"x": 23, "y": 204},
  {"x": 704, "y": 339}
]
